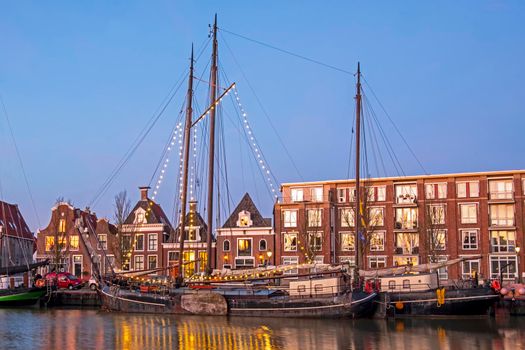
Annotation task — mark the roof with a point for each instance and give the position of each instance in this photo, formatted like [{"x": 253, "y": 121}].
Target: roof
[
  {"x": 155, "y": 216},
  {"x": 408, "y": 178},
  {"x": 12, "y": 221},
  {"x": 247, "y": 204}
]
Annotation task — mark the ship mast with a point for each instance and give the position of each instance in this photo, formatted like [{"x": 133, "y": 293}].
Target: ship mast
[
  {"x": 185, "y": 161},
  {"x": 211, "y": 161},
  {"x": 357, "y": 215}
]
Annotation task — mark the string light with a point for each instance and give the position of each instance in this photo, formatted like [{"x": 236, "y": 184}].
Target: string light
[{"x": 255, "y": 147}]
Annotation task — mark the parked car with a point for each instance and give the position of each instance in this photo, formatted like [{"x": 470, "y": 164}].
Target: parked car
[
  {"x": 93, "y": 283},
  {"x": 64, "y": 280}
]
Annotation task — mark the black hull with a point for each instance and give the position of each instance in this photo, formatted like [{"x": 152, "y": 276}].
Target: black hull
[
  {"x": 459, "y": 302},
  {"x": 516, "y": 307},
  {"x": 354, "y": 305}
]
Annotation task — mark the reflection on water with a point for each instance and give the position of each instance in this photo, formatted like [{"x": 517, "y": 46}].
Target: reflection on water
[{"x": 90, "y": 329}]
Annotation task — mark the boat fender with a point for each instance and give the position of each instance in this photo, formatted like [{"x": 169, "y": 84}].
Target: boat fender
[
  {"x": 399, "y": 305},
  {"x": 40, "y": 283},
  {"x": 440, "y": 293},
  {"x": 495, "y": 285},
  {"x": 521, "y": 291},
  {"x": 504, "y": 291}
]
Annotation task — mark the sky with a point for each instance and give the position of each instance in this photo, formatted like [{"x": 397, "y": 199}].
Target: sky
[{"x": 80, "y": 80}]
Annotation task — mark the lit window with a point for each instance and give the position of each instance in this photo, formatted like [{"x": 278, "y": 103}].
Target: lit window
[
  {"x": 469, "y": 239},
  {"x": 296, "y": 194},
  {"x": 503, "y": 241},
  {"x": 407, "y": 243},
  {"x": 290, "y": 218},
  {"x": 438, "y": 239},
  {"x": 500, "y": 189},
  {"x": 290, "y": 242},
  {"x": 50, "y": 243},
  {"x": 315, "y": 217},
  {"x": 73, "y": 242},
  {"x": 437, "y": 214},
  {"x": 244, "y": 247},
  {"x": 376, "y": 217},
  {"x": 406, "y": 193},
  {"x": 469, "y": 213},
  {"x": 347, "y": 241},
  {"x": 406, "y": 260},
  {"x": 406, "y": 218},
  {"x": 377, "y": 241},
  {"x": 62, "y": 226},
  {"x": 315, "y": 240}
]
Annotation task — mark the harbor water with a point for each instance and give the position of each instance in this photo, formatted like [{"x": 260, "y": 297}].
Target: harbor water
[{"x": 66, "y": 329}]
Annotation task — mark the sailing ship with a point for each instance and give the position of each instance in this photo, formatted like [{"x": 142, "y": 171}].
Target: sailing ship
[
  {"x": 412, "y": 291},
  {"x": 326, "y": 294},
  {"x": 16, "y": 251}
]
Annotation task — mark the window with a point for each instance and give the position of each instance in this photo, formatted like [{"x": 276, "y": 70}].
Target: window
[
  {"x": 377, "y": 241},
  {"x": 381, "y": 193},
  {"x": 62, "y": 243},
  {"x": 190, "y": 234},
  {"x": 290, "y": 218},
  {"x": 467, "y": 189},
  {"x": 502, "y": 215},
  {"x": 126, "y": 243},
  {"x": 406, "y": 193},
  {"x": 347, "y": 241},
  {"x": 376, "y": 262},
  {"x": 347, "y": 217},
  {"x": 290, "y": 260},
  {"x": 315, "y": 217},
  {"x": 341, "y": 195},
  {"x": 436, "y": 214},
  {"x": 407, "y": 243},
  {"x": 500, "y": 189},
  {"x": 226, "y": 245},
  {"x": 110, "y": 263},
  {"x": 263, "y": 245},
  {"x": 139, "y": 262},
  {"x": 125, "y": 263},
  {"x": 139, "y": 242},
  {"x": 140, "y": 218},
  {"x": 290, "y": 242},
  {"x": 319, "y": 259},
  {"x": 436, "y": 191},
  {"x": 470, "y": 239},
  {"x": 315, "y": 240},
  {"x": 102, "y": 242},
  {"x": 73, "y": 242},
  {"x": 350, "y": 260},
  {"x": 153, "y": 242},
  {"x": 406, "y": 218},
  {"x": 244, "y": 263},
  {"x": 317, "y": 194},
  {"x": 296, "y": 194},
  {"x": 438, "y": 239},
  {"x": 443, "y": 271},
  {"x": 244, "y": 247},
  {"x": 406, "y": 260},
  {"x": 50, "y": 243},
  {"x": 62, "y": 226},
  {"x": 469, "y": 268},
  {"x": 503, "y": 241},
  {"x": 173, "y": 258},
  {"x": 469, "y": 213},
  {"x": 376, "y": 217},
  {"x": 504, "y": 266},
  {"x": 152, "y": 261}
]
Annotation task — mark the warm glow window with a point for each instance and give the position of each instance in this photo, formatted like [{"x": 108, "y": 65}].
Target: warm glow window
[
  {"x": 73, "y": 242},
  {"x": 347, "y": 241},
  {"x": 436, "y": 214},
  {"x": 316, "y": 240},
  {"x": 438, "y": 239},
  {"x": 244, "y": 247},
  {"x": 406, "y": 218},
  {"x": 377, "y": 241},
  {"x": 502, "y": 214},
  {"x": 469, "y": 213},
  {"x": 347, "y": 217},
  {"x": 315, "y": 217},
  {"x": 50, "y": 243},
  {"x": 296, "y": 194},
  {"x": 500, "y": 189},
  {"x": 290, "y": 242},
  {"x": 290, "y": 218},
  {"x": 503, "y": 241},
  {"x": 62, "y": 226},
  {"x": 407, "y": 243},
  {"x": 376, "y": 217},
  {"x": 406, "y": 193}
]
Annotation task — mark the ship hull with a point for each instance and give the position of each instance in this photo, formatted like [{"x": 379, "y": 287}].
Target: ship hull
[
  {"x": 21, "y": 297},
  {"x": 457, "y": 302}
]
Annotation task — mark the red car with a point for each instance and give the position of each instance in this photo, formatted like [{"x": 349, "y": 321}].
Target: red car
[{"x": 64, "y": 280}]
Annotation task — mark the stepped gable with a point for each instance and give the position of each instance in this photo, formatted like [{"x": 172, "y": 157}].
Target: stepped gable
[
  {"x": 247, "y": 204},
  {"x": 12, "y": 222}
]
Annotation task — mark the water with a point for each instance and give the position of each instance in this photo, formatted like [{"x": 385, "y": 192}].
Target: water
[{"x": 64, "y": 329}]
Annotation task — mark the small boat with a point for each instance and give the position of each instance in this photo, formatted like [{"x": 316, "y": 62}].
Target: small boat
[
  {"x": 21, "y": 296},
  {"x": 410, "y": 292}
]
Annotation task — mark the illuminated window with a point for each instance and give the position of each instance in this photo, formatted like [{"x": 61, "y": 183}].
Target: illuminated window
[
  {"x": 102, "y": 242},
  {"x": 469, "y": 213},
  {"x": 347, "y": 217},
  {"x": 73, "y": 242},
  {"x": 50, "y": 243},
  {"x": 502, "y": 215},
  {"x": 503, "y": 241},
  {"x": 406, "y": 193},
  {"x": 347, "y": 241},
  {"x": 316, "y": 240},
  {"x": 438, "y": 239},
  {"x": 406, "y": 218},
  {"x": 296, "y": 194},
  {"x": 437, "y": 214},
  {"x": 290, "y": 242},
  {"x": 377, "y": 241},
  {"x": 244, "y": 247},
  {"x": 62, "y": 226},
  {"x": 376, "y": 217},
  {"x": 315, "y": 217},
  {"x": 407, "y": 243},
  {"x": 290, "y": 218}
]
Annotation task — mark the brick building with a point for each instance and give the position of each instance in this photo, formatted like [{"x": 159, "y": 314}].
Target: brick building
[
  {"x": 246, "y": 240},
  {"x": 411, "y": 220},
  {"x": 61, "y": 243}
]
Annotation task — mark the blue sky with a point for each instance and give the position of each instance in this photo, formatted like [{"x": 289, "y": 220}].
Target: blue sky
[{"x": 81, "y": 79}]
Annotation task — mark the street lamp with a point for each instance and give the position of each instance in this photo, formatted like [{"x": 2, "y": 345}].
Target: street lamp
[{"x": 269, "y": 254}]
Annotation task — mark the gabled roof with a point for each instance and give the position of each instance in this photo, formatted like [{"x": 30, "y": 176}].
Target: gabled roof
[
  {"x": 246, "y": 204},
  {"x": 155, "y": 216},
  {"x": 12, "y": 222}
]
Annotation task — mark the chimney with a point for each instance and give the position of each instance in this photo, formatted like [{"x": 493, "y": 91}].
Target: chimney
[{"x": 144, "y": 193}]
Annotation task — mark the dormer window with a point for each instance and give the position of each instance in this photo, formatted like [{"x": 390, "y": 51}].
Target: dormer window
[
  {"x": 244, "y": 219},
  {"x": 140, "y": 216}
]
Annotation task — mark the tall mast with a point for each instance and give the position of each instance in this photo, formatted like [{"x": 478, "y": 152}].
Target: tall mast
[
  {"x": 185, "y": 161},
  {"x": 211, "y": 162},
  {"x": 357, "y": 156}
]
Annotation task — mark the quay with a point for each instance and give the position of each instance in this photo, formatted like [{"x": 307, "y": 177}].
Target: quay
[{"x": 74, "y": 298}]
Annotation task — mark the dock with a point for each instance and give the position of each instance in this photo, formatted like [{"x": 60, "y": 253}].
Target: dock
[{"x": 76, "y": 298}]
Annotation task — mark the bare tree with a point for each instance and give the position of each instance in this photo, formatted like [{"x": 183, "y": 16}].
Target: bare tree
[
  {"x": 433, "y": 229},
  {"x": 121, "y": 244}
]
